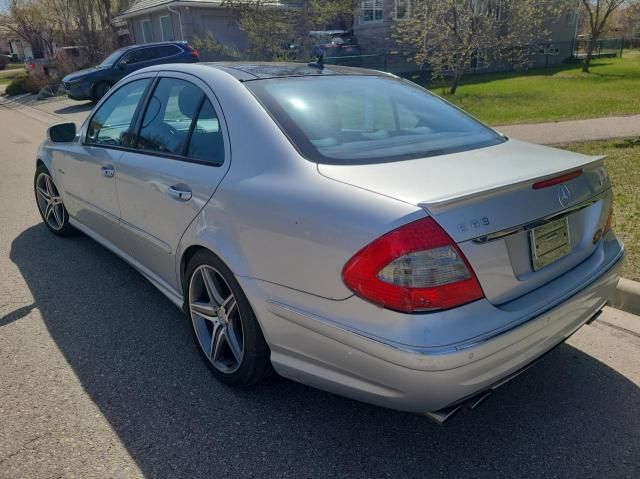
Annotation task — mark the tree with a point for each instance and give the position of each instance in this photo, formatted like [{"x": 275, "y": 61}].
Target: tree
[
  {"x": 280, "y": 29},
  {"x": 448, "y": 36},
  {"x": 598, "y": 13},
  {"x": 29, "y": 21},
  {"x": 47, "y": 23}
]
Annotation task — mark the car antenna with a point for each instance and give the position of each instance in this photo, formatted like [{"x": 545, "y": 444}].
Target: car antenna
[{"x": 319, "y": 63}]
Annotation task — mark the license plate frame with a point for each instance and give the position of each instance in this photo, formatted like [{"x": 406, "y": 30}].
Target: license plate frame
[{"x": 549, "y": 243}]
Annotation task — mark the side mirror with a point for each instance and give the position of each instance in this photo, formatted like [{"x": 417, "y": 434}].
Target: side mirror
[{"x": 62, "y": 132}]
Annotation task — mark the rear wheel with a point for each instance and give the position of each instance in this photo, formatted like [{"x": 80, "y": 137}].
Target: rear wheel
[
  {"x": 50, "y": 204},
  {"x": 101, "y": 90},
  {"x": 225, "y": 328}
]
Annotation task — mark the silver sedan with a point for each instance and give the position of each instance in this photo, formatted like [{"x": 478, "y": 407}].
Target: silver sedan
[{"x": 342, "y": 226}]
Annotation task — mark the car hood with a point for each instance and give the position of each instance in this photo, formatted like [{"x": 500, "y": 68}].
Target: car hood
[
  {"x": 82, "y": 73},
  {"x": 447, "y": 177}
]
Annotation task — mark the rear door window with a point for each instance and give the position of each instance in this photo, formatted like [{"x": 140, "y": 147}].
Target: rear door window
[
  {"x": 162, "y": 51},
  {"x": 170, "y": 112},
  {"x": 206, "y": 143}
]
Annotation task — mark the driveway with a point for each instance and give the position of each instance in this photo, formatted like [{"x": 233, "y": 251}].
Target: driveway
[{"x": 99, "y": 378}]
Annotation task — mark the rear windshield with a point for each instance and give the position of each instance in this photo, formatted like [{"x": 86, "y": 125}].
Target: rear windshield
[{"x": 367, "y": 119}]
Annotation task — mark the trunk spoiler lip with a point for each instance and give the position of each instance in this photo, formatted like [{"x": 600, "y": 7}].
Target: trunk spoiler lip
[
  {"x": 590, "y": 162},
  {"x": 532, "y": 224}
]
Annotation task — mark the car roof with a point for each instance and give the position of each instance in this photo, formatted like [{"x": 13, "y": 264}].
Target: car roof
[
  {"x": 151, "y": 44},
  {"x": 247, "y": 71}
]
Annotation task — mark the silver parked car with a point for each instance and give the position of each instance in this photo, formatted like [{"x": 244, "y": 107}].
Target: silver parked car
[{"x": 343, "y": 226}]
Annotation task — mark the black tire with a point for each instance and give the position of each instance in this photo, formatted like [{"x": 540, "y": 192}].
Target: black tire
[
  {"x": 62, "y": 228},
  {"x": 101, "y": 90},
  {"x": 255, "y": 364}
]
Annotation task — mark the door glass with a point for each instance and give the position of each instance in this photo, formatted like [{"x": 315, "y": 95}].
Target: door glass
[
  {"x": 111, "y": 124},
  {"x": 167, "y": 120},
  {"x": 206, "y": 142}
]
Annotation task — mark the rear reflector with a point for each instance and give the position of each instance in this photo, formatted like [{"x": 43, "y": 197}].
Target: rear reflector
[
  {"x": 416, "y": 267},
  {"x": 609, "y": 224},
  {"x": 557, "y": 180}
]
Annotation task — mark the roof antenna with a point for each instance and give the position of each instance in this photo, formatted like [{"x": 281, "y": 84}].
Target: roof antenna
[{"x": 319, "y": 63}]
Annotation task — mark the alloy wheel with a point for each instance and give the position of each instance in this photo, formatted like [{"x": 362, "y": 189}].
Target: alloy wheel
[
  {"x": 50, "y": 202},
  {"x": 216, "y": 319}
]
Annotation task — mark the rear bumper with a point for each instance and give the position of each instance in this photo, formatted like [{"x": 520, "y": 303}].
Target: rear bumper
[{"x": 314, "y": 350}]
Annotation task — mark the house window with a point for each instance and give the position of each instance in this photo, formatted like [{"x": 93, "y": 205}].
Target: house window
[
  {"x": 166, "y": 28},
  {"x": 372, "y": 10},
  {"x": 403, "y": 9},
  {"x": 147, "y": 32}
]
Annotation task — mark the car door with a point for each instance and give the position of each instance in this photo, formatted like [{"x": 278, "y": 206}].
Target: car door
[
  {"x": 181, "y": 156},
  {"x": 88, "y": 167}
]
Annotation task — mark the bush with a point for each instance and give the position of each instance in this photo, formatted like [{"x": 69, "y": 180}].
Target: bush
[
  {"x": 17, "y": 85},
  {"x": 25, "y": 83}
]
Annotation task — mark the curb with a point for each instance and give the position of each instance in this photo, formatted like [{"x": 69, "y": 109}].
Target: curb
[{"x": 626, "y": 296}]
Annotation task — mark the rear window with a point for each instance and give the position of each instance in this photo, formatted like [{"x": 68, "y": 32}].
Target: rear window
[{"x": 367, "y": 119}]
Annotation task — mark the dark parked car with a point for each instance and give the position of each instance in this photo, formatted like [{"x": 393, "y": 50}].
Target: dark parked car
[
  {"x": 4, "y": 60},
  {"x": 338, "y": 46},
  {"x": 93, "y": 83}
]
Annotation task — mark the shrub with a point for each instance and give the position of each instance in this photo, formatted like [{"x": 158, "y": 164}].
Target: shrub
[
  {"x": 17, "y": 85},
  {"x": 25, "y": 83}
]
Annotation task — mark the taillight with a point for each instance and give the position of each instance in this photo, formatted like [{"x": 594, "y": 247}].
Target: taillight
[
  {"x": 608, "y": 225},
  {"x": 416, "y": 267},
  {"x": 193, "y": 51}
]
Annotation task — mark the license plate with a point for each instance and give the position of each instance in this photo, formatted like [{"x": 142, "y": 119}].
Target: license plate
[{"x": 549, "y": 243}]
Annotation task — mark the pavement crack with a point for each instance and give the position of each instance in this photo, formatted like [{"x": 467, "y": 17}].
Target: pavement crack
[{"x": 22, "y": 448}]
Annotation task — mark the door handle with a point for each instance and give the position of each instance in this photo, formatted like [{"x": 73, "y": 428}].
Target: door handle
[
  {"x": 179, "y": 193},
  {"x": 108, "y": 171}
]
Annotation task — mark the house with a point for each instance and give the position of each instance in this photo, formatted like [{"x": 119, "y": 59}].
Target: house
[
  {"x": 11, "y": 44},
  {"x": 157, "y": 20},
  {"x": 372, "y": 24},
  {"x": 375, "y": 19}
]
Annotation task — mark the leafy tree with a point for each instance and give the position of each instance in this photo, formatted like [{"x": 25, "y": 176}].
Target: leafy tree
[
  {"x": 280, "y": 29},
  {"x": 598, "y": 14},
  {"x": 448, "y": 36}
]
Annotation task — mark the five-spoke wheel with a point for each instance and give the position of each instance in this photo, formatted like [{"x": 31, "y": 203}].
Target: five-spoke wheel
[
  {"x": 50, "y": 203},
  {"x": 225, "y": 328},
  {"x": 216, "y": 319}
]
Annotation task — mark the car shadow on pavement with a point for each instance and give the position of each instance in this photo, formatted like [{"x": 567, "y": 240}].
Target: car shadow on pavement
[
  {"x": 569, "y": 416},
  {"x": 80, "y": 107}
]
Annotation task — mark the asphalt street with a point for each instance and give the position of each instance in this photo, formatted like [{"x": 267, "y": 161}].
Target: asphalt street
[{"x": 99, "y": 378}]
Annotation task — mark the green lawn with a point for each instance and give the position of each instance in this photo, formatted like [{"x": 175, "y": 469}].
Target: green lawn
[
  {"x": 561, "y": 93},
  {"x": 623, "y": 164},
  {"x": 8, "y": 74}
]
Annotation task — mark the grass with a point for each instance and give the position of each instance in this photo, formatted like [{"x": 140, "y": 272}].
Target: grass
[
  {"x": 560, "y": 93},
  {"x": 10, "y": 73},
  {"x": 623, "y": 164}
]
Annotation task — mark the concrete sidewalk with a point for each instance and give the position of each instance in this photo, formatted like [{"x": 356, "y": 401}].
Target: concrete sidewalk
[
  {"x": 574, "y": 130},
  {"x": 59, "y": 109}
]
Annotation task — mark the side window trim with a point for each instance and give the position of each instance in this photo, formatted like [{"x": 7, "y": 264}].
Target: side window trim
[
  {"x": 194, "y": 122},
  {"x": 141, "y": 111},
  {"x": 134, "y": 120}
]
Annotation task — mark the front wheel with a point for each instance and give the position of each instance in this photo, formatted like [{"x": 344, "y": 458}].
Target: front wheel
[
  {"x": 225, "y": 328},
  {"x": 50, "y": 204},
  {"x": 101, "y": 90}
]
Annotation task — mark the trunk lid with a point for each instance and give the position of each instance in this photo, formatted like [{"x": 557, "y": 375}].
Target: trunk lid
[{"x": 485, "y": 201}]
